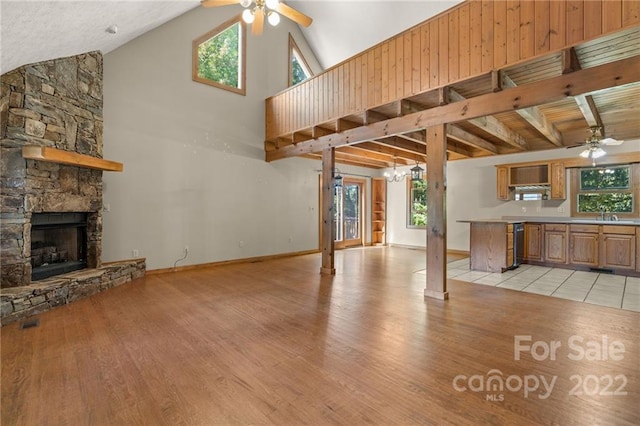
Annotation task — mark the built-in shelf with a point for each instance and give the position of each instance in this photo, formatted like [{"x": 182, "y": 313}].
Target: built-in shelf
[
  {"x": 53, "y": 155},
  {"x": 378, "y": 219}
]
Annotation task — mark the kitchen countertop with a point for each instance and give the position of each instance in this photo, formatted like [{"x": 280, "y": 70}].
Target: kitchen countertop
[
  {"x": 506, "y": 221},
  {"x": 568, "y": 220}
]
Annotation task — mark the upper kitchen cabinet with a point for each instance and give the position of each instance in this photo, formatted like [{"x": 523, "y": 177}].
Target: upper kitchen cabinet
[{"x": 515, "y": 181}]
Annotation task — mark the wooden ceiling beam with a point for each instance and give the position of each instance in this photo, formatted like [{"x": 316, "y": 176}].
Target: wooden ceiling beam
[
  {"x": 535, "y": 117},
  {"x": 342, "y": 125},
  {"x": 588, "y": 108},
  {"x": 493, "y": 126},
  {"x": 412, "y": 139},
  {"x": 319, "y": 131},
  {"x": 356, "y": 151},
  {"x": 462, "y": 136},
  {"x": 613, "y": 74},
  {"x": 455, "y": 148},
  {"x": 300, "y": 137},
  {"x": 393, "y": 152},
  {"x": 363, "y": 161},
  {"x": 406, "y": 106},
  {"x": 371, "y": 116},
  {"x": 412, "y": 147}
]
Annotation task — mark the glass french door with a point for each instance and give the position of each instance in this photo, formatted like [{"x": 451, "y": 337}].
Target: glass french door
[{"x": 348, "y": 213}]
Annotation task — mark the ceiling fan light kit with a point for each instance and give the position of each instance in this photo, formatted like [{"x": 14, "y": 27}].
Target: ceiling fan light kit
[
  {"x": 593, "y": 150},
  {"x": 256, "y": 10}
]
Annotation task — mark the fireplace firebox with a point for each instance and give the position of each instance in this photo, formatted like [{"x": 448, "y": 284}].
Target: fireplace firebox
[{"x": 58, "y": 243}]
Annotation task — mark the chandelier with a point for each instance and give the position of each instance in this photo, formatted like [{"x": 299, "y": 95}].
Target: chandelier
[
  {"x": 265, "y": 7},
  {"x": 396, "y": 176}
]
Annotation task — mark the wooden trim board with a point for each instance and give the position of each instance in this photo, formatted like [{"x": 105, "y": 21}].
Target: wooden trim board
[
  {"x": 230, "y": 262},
  {"x": 53, "y": 155}
]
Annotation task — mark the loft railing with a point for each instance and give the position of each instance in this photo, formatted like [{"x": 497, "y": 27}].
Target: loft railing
[{"x": 468, "y": 40}]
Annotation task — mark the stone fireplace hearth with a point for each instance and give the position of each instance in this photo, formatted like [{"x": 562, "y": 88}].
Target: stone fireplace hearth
[{"x": 54, "y": 104}]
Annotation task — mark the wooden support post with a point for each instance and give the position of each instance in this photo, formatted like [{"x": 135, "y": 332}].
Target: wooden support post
[
  {"x": 328, "y": 228},
  {"x": 436, "y": 213}
]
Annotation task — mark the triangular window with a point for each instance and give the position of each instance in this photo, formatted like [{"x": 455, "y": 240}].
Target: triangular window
[
  {"x": 219, "y": 57},
  {"x": 298, "y": 68}
]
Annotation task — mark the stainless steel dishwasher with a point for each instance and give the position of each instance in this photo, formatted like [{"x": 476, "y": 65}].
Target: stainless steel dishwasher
[{"x": 518, "y": 244}]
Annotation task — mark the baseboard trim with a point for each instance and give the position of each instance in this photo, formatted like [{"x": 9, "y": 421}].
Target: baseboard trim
[
  {"x": 460, "y": 252},
  {"x": 230, "y": 262}
]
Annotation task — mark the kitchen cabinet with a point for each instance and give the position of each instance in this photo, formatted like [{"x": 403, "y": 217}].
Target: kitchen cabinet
[
  {"x": 492, "y": 246},
  {"x": 555, "y": 243},
  {"x": 583, "y": 245},
  {"x": 503, "y": 190},
  {"x": 637, "y": 248},
  {"x": 533, "y": 241},
  {"x": 603, "y": 246},
  {"x": 541, "y": 175},
  {"x": 618, "y": 247},
  {"x": 558, "y": 181}
]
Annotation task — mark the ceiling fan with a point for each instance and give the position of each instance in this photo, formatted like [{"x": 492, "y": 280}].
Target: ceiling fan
[
  {"x": 256, "y": 10},
  {"x": 593, "y": 144}
]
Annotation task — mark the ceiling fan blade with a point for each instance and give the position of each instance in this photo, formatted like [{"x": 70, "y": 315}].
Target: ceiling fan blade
[
  {"x": 610, "y": 141},
  {"x": 258, "y": 23},
  {"x": 215, "y": 3},
  {"x": 294, "y": 15},
  {"x": 574, "y": 145}
]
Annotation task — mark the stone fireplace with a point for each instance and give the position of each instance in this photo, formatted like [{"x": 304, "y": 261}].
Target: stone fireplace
[
  {"x": 55, "y": 104},
  {"x": 51, "y": 207}
]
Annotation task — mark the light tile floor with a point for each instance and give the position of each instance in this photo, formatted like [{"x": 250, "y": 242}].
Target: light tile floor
[{"x": 616, "y": 291}]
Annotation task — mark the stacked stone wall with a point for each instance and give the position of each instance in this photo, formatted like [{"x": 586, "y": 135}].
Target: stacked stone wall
[{"x": 56, "y": 104}]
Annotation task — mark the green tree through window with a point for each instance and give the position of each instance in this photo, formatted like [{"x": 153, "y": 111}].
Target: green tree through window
[
  {"x": 605, "y": 188},
  {"x": 299, "y": 70},
  {"x": 417, "y": 204},
  {"x": 219, "y": 57},
  {"x": 298, "y": 73}
]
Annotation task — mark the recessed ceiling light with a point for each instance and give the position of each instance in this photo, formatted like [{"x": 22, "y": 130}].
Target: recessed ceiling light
[{"x": 112, "y": 29}]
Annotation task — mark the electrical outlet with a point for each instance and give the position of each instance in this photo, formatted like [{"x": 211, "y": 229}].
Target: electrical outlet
[
  {"x": 240, "y": 244},
  {"x": 524, "y": 210},
  {"x": 135, "y": 253},
  {"x": 290, "y": 239},
  {"x": 561, "y": 209},
  {"x": 106, "y": 207}
]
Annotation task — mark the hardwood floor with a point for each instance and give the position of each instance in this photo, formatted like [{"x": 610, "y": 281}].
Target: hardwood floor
[{"x": 276, "y": 343}]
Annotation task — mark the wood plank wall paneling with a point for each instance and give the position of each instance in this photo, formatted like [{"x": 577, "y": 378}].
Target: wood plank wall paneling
[
  {"x": 500, "y": 34},
  {"x": 487, "y": 35},
  {"x": 469, "y": 40}
]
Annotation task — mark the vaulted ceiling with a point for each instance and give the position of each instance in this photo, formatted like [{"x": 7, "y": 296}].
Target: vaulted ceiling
[{"x": 33, "y": 31}]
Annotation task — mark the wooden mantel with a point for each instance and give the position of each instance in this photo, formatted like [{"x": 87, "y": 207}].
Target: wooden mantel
[{"x": 52, "y": 155}]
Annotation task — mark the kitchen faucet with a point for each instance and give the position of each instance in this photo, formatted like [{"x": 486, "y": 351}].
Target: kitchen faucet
[{"x": 602, "y": 210}]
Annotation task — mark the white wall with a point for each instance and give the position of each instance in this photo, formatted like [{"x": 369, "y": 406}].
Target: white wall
[
  {"x": 471, "y": 194},
  {"x": 194, "y": 170}
]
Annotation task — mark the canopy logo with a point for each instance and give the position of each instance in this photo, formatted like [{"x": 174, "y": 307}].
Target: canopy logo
[{"x": 494, "y": 384}]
